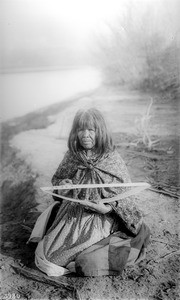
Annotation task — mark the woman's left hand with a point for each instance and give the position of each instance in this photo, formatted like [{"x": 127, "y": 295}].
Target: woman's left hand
[{"x": 97, "y": 207}]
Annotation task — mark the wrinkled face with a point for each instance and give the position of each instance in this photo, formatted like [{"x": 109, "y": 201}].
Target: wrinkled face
[{"x": 87, "y": 137}]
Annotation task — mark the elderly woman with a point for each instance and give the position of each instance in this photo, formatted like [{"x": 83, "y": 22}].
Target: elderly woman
[{"x": 91, "y": 237}]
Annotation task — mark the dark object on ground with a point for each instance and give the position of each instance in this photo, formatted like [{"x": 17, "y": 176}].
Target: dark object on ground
[{"x": 34, "y": 274}]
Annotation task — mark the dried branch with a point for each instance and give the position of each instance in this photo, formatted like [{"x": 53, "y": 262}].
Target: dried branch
[
  {"x": 26, "y": 227},
  {"x": 171, "y": 194},
  {"x": 166, "y": 243},
  {"x": 169, "y": 254},
  {"x": 36, "y": 275},
  {"x": 143, "y": 125}
]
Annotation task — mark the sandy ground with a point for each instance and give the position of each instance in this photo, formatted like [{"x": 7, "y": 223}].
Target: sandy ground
[{"x": 32, "y": 154}]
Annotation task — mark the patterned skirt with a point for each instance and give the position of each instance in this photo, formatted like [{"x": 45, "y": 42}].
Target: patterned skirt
[
  {"x": 97, "y": 243},
  {"x": 73, "y": 230}
]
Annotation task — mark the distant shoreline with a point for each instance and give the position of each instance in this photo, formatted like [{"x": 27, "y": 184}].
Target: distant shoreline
[
  {"x": 43, "y": 69},
  {"x": 27, "y": 90},
  {"x": 41, "y": 114}
]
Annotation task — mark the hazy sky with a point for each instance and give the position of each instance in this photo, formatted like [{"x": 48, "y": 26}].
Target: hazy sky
[{"x": 40, "y": 30}]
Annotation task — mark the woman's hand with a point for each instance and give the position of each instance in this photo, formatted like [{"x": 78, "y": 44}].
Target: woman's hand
[
  {"x": 97, "y": 207},
  {"x": 64, "y": 182}
]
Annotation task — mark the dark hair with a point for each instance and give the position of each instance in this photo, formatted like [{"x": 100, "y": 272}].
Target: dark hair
[{"x": 90, "y": 118}]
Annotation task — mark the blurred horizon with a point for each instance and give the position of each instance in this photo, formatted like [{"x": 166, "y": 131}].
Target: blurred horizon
[{"x": 38, "y": 34}]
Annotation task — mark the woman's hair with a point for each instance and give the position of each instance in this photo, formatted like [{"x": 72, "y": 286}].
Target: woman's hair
[{"x": 90, "y": 118}]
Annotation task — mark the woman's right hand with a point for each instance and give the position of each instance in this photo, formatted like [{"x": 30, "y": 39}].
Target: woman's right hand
[
  {"x": 97, "y": 207},
  {"x": 64, "y": 182}
]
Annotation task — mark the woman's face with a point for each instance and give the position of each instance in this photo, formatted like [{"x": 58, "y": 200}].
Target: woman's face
[{"x": 87, "y": 137}]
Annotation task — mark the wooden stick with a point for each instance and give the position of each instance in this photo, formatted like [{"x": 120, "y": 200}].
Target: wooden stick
[
  {"x": 41, "y": 277},
  {"x": 92, "y": 186},
  {"x": 148, "y": 155},
  {"x": 165, "y": 192},
  {"x": 26, "y": 227},
  {"x": 170, "y": 192},
  {"x": 166, "y": 243},
  {"x": 106, "y": 200},
  {"x": 169, "y": 254}
]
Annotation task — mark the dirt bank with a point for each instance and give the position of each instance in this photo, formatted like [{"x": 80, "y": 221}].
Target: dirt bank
[{"x": 28, "y": 163}]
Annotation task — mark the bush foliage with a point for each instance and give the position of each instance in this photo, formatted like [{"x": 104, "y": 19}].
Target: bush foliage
[
  {"x": 140, "y": 55},
  {"x": 162, "y": 74}
]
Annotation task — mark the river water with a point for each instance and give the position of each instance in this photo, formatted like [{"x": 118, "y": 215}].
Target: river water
[{"x": 24, "y": 92}]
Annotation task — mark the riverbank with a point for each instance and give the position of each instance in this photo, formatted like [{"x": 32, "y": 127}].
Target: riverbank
[{"x": 32, "y": 147}]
